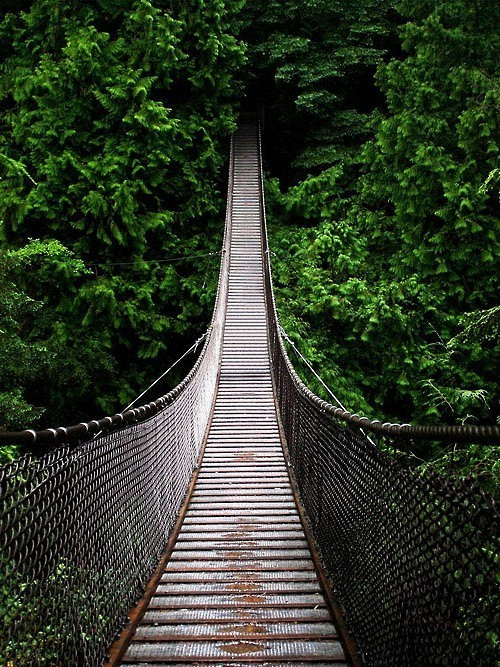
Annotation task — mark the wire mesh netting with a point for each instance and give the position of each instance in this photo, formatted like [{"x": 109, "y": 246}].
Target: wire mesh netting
[
  {"x": 82, "y": 531},
  {"x": 412, "y": 556}
]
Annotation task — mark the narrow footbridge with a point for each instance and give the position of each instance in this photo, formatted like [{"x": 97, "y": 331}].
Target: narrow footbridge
[{"x": 240, "y": 519}]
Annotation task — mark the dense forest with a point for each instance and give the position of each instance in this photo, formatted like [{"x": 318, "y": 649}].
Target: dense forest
[{"x": 380, "y": 133}]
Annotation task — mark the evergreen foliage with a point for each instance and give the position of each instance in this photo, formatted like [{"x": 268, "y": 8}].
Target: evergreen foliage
[
  {"x": 383, "y": 284},
  {"x": 381, "y": 143},
  {"x": 312, "y": 62},
  {"x": 30, "y": 356},
  {"x": 114, "y": 119}
]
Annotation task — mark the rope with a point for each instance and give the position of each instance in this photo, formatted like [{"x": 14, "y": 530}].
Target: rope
[{"x": 322, "y": 382}]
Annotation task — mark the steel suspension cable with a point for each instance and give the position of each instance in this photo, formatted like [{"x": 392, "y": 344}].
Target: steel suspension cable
[
  {"x": 158, "y": 379},
  {"x": 155, "y": 382},
  {"x": 285, "y": 336},
  {"x": 320, "y": 380}
]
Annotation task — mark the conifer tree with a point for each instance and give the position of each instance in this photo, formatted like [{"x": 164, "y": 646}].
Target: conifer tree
[
  {"x": 396, "y": 294},
  {"x": 114, "y": 120},
  {"x": 428, "y": 197},
  {"x": 28, "y": 360},
  {"x": 313, "y": 62}
]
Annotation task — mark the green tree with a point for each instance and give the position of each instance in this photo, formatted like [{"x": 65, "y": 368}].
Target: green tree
[
  {"x": 31, "y": 356},
  {"x": 115, "y": 117},
  {"x": 396, "y": 271},
  {"x": 312, "y": 64},
  {"x": 429, "y": 207}
]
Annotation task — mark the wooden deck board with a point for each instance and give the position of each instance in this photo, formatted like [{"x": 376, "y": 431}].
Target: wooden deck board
[{"x": 240, "y": 586}]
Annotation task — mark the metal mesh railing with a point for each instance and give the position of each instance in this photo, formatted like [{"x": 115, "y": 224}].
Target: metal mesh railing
[
  {"x": 82, "y": 531},
  {"x": 84, "y": 526},
  {"x": 412, "y": 556}
]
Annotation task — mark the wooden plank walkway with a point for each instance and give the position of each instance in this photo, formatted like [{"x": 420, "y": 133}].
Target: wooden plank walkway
[{"x": 240, "y": 586}]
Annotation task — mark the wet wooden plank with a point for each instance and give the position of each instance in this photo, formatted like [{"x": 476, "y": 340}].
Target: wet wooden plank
[
  {"x": 240, "y": 629},
  {"x": 243, "y": 650}
]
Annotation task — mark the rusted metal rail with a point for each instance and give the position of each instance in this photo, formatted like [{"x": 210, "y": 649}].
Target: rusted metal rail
[{"x": 241, "y": 585}]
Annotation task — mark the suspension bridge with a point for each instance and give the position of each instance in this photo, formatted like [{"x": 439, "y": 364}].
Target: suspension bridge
[{"x": 240, "y": 519}]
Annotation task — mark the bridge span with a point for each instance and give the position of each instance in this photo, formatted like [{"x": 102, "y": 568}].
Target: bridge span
[{"x": 240, "y": 583}]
